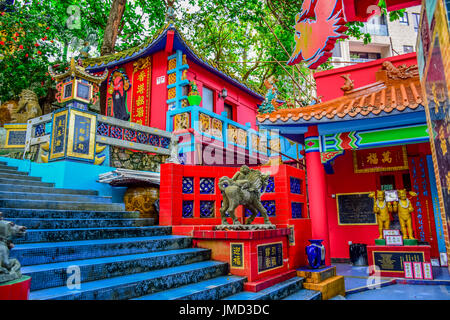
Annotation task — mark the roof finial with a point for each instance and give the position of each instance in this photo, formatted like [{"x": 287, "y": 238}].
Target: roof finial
[{"x": 170, "y": 11}]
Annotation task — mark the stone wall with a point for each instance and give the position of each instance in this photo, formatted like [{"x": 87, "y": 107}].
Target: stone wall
[{"x": 126, "y": 159}]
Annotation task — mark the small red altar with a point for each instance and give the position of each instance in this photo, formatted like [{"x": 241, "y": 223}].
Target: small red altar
[
  {"x": 389, "y": 259},
  {"x": 16, "y": 290},
  {"x": 260, "y": 255}
]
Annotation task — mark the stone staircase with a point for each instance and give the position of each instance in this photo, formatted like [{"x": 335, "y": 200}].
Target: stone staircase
[{"x": 116, "y": 254}]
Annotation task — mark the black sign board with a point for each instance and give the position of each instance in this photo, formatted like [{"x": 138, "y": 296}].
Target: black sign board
[
  {"x": 393, "y": 260},
  {"x": 355, "y": 208},
  {"x": 270, "y": 256}
]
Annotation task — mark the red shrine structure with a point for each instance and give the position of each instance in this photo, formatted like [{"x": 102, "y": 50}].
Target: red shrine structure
[{"x": 369, "y": 134}]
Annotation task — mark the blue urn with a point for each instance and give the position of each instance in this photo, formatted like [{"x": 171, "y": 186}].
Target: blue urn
[{"x": 316, "y": 253}]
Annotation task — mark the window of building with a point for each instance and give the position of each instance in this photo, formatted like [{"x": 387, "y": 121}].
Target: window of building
[
  {"x": 404, "y": 19},
  {"x": 416, "y": 20},
  {"x": 387, "y": 182},
  {"x": 365, "y": 55},
  {"x": 208, "y": 99},
  {"x": 408, "y": 49},
  {"x": 229, "y": 109},
  {"x": 337, "y": 50}
]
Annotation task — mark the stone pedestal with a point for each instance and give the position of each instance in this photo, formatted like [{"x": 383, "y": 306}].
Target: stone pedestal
[
  {"x": 15, "y": 290},
  {"x": 260, "y": 255},
  {"x": 324, "y": 280},
  {"x": 389, "y": 259}
]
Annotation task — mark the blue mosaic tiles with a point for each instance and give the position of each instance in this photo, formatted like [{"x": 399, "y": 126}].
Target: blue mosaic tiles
[
  {"x": 188, "y": 185},
  {"x": 270, "y": 207},
  {"x": 207, "y": 185},
  {"x": 270, "y": 186},
  {"x": 297, "y": 210},
  {"x": 188, "y": 209},
  {"x": 296, "y": 187},
  {"x": 207, "y": 209}
]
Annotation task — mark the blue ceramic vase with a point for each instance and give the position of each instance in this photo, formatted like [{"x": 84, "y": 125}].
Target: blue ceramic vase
[{"x": 316, "y": 253}]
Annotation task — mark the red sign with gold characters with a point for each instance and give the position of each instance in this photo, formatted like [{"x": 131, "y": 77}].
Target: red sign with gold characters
[
  {"x": 141, "y": 91},
  {"x": 380, "y": 159}
]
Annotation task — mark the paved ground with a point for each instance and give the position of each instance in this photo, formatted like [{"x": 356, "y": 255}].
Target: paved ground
[{"x": 358, "y": 282}]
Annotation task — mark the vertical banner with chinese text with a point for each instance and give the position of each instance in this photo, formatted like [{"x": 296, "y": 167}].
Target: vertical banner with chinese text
[
  {"x": 423, "y": 215},
  {"x": 142, "y": 78}
]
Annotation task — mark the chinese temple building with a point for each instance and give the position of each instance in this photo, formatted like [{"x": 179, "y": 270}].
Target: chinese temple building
[
  {"x": 152, "y": 84},
  {"x": 370, "y": 134}
]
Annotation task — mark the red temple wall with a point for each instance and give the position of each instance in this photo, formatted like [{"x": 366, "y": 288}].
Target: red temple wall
[
  {"x": 329, "y": 82},
  {"x": 344, "y": 180}
]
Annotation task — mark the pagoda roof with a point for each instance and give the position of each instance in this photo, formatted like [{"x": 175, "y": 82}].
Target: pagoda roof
[
  {"x": 78, "y": 71},
  {"x": 396, "y": 90},
  {"x": 158, "y": 43}
]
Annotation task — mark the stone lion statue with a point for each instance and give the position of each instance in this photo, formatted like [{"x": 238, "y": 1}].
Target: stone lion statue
[
  {"x": 9, "y": 268},
  {"x": 243, "y": 189},
  {"x": 27, "y": 108}
]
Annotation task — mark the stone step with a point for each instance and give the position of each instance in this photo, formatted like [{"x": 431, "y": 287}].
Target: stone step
[
  {"x": 21, "y": 182},
  {"x": 136, "y": 285},
  {"x": 49, "y": 252},
  {"x": 54, "y": 197},
  {"x": 4, "y": 166},
  {"x": 275, "y": 292},
  {"x": 13, "y": 171},
  {"x": 305, "y": 294},
  {"x": 56, "y": 274},
  {"x": 65, "y": 214},
  {"x": 60, "y": 205},
  {"x": 16, "y": 176},
  {"x": 212, "y": 289},
  {"x": 56, "y": 235},
  {"x": 38, "y": 189},
  {"x": 31, "y": 223}
]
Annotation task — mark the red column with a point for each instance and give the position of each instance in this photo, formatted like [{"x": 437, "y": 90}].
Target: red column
[{"x": 317, "y": 190}]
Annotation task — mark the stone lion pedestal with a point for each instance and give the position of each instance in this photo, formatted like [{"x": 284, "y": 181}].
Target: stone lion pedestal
[{"x": 260, "y": 255}]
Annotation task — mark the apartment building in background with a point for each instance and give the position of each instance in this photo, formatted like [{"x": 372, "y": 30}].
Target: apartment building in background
[{"x": 388, "y": 39}]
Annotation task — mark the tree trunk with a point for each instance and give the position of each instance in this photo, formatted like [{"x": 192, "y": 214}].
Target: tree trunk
[{"x": 109, "y": 41}]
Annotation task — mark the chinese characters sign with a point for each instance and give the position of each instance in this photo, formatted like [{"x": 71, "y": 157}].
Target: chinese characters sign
[
  {"x": 81, "y": 135},
  {"x": 141, "y": 91},
  {"x": 237, "y": 255},
  {"x": 393, "y": 260},
  {"x": 59, "y": 130},
  {"x": 380, "y": 159},
  {"x": 270, "y": 256}
]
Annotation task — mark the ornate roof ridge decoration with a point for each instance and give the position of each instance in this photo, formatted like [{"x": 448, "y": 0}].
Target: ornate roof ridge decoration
[
  {"x": 384, "y": 95},
  {"x": 75, "y": 70},
  {"x": 400, "y": 72},
  {"x": 104, "y": 61}
]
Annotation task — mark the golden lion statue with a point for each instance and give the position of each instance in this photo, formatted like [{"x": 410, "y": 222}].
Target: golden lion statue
[{"x": 27, "y": 108}]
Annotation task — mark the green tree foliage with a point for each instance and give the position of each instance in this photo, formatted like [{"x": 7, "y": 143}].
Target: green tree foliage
[{"x": 251, "y": 39}]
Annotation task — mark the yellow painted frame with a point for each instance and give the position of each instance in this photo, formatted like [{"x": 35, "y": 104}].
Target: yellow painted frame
[
  {"x": 243, "y": 255},
  {"x": 353, "y": 224},
  {"x": 63, "y": 153},
  {"x": 404, "y": 167},
  {"x": 92, "y": 134},
  {"x": 282, "y": 257},
  {"x": 382, "y": 251},
  {"x": 14, "y": 128}
]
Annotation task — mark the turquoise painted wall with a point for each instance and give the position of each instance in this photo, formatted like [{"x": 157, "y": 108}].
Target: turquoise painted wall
[{"x": 70, "y": 175}]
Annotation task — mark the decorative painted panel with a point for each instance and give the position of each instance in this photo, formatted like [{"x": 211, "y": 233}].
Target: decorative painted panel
[
  {"x": 181, "y": 121},
  {"x": 232, "y": 134},
  {"x": 242, "y": 138},
  {"x": 59, "y": 133},
  {"x": 205, "y": 123},
  {"x": 15, "y": 135},
  {"x": 81, "y": 137},
  {"x": 217, "y": 128}
]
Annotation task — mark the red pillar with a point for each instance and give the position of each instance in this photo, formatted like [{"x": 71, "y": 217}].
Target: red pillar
[{"x": 317, "y": 190}]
